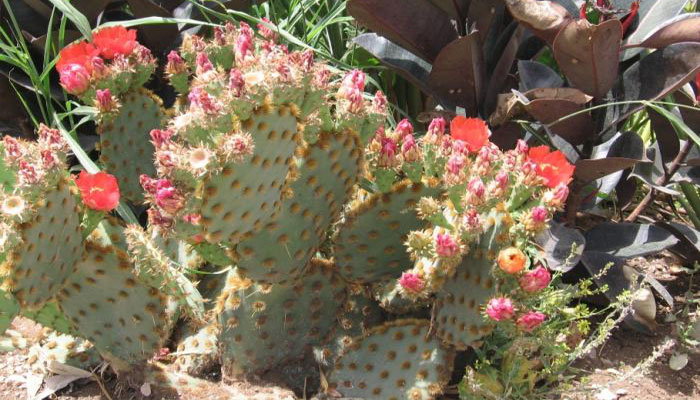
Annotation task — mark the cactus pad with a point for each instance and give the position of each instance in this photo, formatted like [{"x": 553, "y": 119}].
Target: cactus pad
[
  {"x": 458, "y": 318},
  {"x": 8, "y": 310},
  {"x": 64, "y": 349},
  {"x": 263, "y": 326},
  {"x": 126, "y": 320},
  {"x": 126, "y": 150},
  {"x": 327, "y": 174},
  {"x": 50, "y": 248},
  {"x": 397, "y": 360},
  {"x": 50, "y": 316},
  {"x": 369, "y": 244},
  {"x": 244, "y": 197},
  {"x": 197, "y": 352}
]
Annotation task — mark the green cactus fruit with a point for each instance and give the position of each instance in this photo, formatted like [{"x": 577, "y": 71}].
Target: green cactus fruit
[
  {"x": 244, "y": 197},
  {"x": 458, "y": 318},
  {"x": 329, "y": 169},
  {"x": 388, "y": 294},
  {"x": 369, "y": 244},
  {"x": 125, "y": 319},
  {"x": 126, "y": 150},
  {"x": 197, "y": 351},
  {"x": 397, "y": 360},
  {"x": 50, "y": 316},
  {"x": 64, "y": 349},
  {"x": 9, "y": 308},
  {"x": 267, "y": 325},
  {"x": 36, "y": 269}
]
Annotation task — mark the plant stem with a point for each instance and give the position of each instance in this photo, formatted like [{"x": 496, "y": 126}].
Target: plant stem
[{"x": 662, "y": 181}]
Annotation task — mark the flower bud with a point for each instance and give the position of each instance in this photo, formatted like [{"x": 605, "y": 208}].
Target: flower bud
[
  {"x": 476, "y": 188},
  {"x": 445, "y": 245},
  {"x": 404, "y": 128},
  {"x": 161, "y": 138},
  {"x": 264, "y": 31},
  {"x": 539, "y": 214},
  {"x": 530, "y": 320},
  {"x": 411, "y": 282},
  {"x": 521, "y": 147},
  {"x": 105, "y": 101},
  {"x": 535, "y": 280},
  {"x": 176, "y": 65},
  {"x": 500, "y": 309},
  {"x": 379, "y": 103},
  {"x": 75, "y": 79},
  {"x": 236, "y": 83},
  {"x": 203, "y": 63},
  {"x": 437, "y": 126}
]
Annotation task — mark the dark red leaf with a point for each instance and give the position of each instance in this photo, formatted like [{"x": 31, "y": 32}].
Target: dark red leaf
[
  {"x": 684, "y": 28},
  {"x": 590, "y": 170}
]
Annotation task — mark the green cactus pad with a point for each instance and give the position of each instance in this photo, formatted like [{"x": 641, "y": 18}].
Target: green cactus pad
[
  {"x": 388, "y": 294},
  {"x": 126, "y": 320},
  {"x": 125, "y": 143},
  {"x": 246, "y": 196},
  {"x": 327, "y": 174},
  {"x": 458, "y": 318},
  {"x": 263, "y": 326},
  {"x": 369, "y": 245},
  {"x": 9, "y": 308},
  {"x": 397, "y": 360},
  {"x": 50, "y": 316},
  {"x": 197, "y": 352},
  {"x": 51, "y": 246},
  {"x": 64, "y": 349},
  {"x": 360, "y": 313}
]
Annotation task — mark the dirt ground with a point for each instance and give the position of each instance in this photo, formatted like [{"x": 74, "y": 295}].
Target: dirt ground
[{"x": 608, "y": 375}]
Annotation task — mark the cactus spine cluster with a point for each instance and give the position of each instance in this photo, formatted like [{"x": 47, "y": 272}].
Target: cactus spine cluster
[{"x": 261, "y": 252}]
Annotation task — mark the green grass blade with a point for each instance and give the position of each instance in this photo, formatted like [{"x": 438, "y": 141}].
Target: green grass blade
[{"x": 76, "y": 17}]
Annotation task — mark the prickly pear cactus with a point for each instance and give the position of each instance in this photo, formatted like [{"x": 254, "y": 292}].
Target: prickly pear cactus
[
  {"x": 286, "y": 224},
  {"x": 64, "y": 349}
]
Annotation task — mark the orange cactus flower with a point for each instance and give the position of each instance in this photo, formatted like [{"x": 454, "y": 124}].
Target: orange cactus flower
[
  {"x": 511, "y": 260},
  {"x": 472, "y": 131},
  {"x": 100, "y": 191},
  {"x": 80, "y": 53},
  {"x": 115, "y": 40},
  {"x": 551, "y": 166}
]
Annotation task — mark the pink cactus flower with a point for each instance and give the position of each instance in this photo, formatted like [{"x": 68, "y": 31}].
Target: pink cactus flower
[
  {"x": 521, "y": 147},
  {"x": 284, "y": 71},
  {"x": 105, "y": 101},
  {"x": 500, "y": 309},
  {"x": 404, "y": 128},
  {"x": 476, "y": 187},
  {"x": 75, "y": 78},
  {"x": 530, "y": 320},
  {"x": 203, "y": 63},
  {"x": 535, "y": 280},
  {"x": 411, "y": 282},
  {"x": 445, "y": 245},
  {"x": 539, "y": 214},
  {"x": 355, "y": 100}
]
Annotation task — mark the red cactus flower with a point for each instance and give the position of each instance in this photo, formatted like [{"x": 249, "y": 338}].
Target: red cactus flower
[
  {"x": 552, "y": 166},
  {"x": 472, "y": 131},
  {"x": 100, "y": 191},
  {"x": 80, "y": 53},
  {"x": 115, "y": 40}
]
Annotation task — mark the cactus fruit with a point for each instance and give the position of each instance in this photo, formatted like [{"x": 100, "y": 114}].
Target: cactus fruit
[
  {"x": 266, "y": 325},
  {"x": 397, "y": 360},
  {"x": 369, "y": 243},
  {"x": 125, "y": 149}
]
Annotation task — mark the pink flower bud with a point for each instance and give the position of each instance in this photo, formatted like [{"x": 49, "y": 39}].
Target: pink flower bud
[
  {"x": 388, "y": 151},
  {"x": 236, "y": 83},
  {"x": 437, "y": 126},
  {"x": 476, "y": 187},
  {"x": 193, "y": 219},
  {"x": 27, "y": 173},
  {"x": 445, "y": 245},
  {"x": 321, "y": 77},
  {"x": 530, "y": 320},
  {"x": 161, "y": 137},
  {"x": 243, "y": 46},
  {"x": 156, "y": 218},
  {"x": 404, "y": 128},
  {"x": 539, "y": 214},
  {"x": 354, "y": 97},
  {"x": 354, "y": 79},
  {"x": 307, "y": 60},
  {"x": 48, "y": 159},
  {"x": 559, "y": 196},
  {"x": 105, "y": 101},
  {"x": 472, "y": 219},
  {"x": 411, "y": 282},
  {"x": 264, "y": 31},
  {"x": 98, "y": 67},
  {"x": 200, "y": 99},
  {"x": 455, "y": 163},
  {"x": 13, "y": 150},
  {"x": 502, "y": 179},
  {"x": 176, "y": 65},
  {"x": 379, "y": 102},
  {"x": 409, "y": 143},
  {"x": 521, "y": 146},
  {"x": 148, "y": 184},
  {"x": 219, "y": 36},
  {"x": 75, "y": 78},
  {"x": 203, "y": 63},
  {"x": 535, "y": 280},
  {"x": 500, "y": 309},
  {"x": 284, "y": 71},
  {"x": 52, "y": 138},
  {"x": 166, "y": 196}
]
